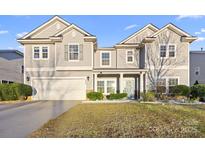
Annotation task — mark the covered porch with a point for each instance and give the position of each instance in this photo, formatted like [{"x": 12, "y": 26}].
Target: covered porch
[{"x": 132, "y": 82}]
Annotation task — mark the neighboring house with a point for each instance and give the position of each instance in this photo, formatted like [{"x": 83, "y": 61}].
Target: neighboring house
[
  {"x": 11, "y": 66},
  {"x": 197, "y": 67},
  {"x": 62, "y": 61}
]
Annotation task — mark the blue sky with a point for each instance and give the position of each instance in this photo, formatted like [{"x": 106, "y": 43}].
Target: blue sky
[{"x": 108, "y": 29}]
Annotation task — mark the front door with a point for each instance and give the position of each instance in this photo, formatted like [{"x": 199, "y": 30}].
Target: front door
[{"x": 129, "y": 87}]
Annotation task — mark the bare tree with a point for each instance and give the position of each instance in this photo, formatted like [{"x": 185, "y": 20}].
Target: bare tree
[{"x": 159, "y": 66}]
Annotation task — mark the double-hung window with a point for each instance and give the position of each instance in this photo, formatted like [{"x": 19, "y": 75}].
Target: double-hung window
[
  {"x": 111, "y": 87},
  {"x": 74, "y": 52},
  {"x": 36, "y": 53},
  {"x": 105, "y": 58},
  {"x": 163, "y": 50},
  {"x": 106, "y": 86},
  {"x": 130, "y": 56},
  {"x": 101, "y": 86},
  {"x": 161, "y": 85},
  {"x": 44, "y": 52},
  {"x": 172, "y": 51},
  {"x": 167, "y": 51},
  {"x": 172, "y": 82},
  {"x": 40, "y": 52}
]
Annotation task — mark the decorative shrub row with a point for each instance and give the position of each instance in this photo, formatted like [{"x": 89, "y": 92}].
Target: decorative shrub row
[
  {"x": 198, "y": 91},
  {"x": 94, "y": 96},
  {"x": 99, "y": 96},
  {"x": 117, "y": 96},
  {"x": 14, "y": 91},
  {"x": 181, "y": 90}
]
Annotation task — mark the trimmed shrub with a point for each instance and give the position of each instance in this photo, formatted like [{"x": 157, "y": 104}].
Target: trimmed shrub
[
  {"x": 180, "y": 90},
  {"x": 7, "y": 92},
  {"x": 116, "y": 96},
  {"x": 148, "y": 96},
  {"x": 198, "y": 90},
  {"x": 94, "y": 96},
  {"x": 14, "y": 91}
]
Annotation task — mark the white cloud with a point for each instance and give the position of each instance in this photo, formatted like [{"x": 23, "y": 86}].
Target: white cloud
[
  {"x": 130, "y": 26},
  {"x": 4, "y": 31},
  {"x": 200, "y": 39},
  {"x": 189, "y": 16},
  {"x": 19, "y": 35},
  {"x": 10, "y": 48},
  {"x": 197, "y": 33},
  {"x": 202, "y": 30}
]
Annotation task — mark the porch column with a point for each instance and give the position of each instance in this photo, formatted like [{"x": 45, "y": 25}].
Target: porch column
[
  {"x": 121, "y": 83},
  {"x": 145, "y": 82},
  {"x": 141, "y": 82},
  {"x": 95, "y": 82}
]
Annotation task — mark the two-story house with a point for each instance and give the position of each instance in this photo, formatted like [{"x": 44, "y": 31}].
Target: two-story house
[
  {"x": 11, "y": 66},
  {"x": 62, "y": 61}
]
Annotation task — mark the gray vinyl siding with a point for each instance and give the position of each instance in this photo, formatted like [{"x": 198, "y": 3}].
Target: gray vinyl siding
[
  {"x": 11, "y": 67},
  {"x": 197, "y": 59}
]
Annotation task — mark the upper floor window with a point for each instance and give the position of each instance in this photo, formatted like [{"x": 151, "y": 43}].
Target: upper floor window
[
  {"x": 197, "y": 71},
  {"x": 40, "y": 52},
  {"x": 44, "y": 52},
  {"x": 172, "y": 50},
  {"x": 163, "y": 50},
  {"x": 36, "y": 53},
  {"x": 130, "y": 56},
  {"x": 105, "y": 59},
  {"x": 167, "y": 51},
  {"x": 73, "y": 52}
]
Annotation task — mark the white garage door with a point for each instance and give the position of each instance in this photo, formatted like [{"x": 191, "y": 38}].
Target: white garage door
[{"x": 59, "y": 89}]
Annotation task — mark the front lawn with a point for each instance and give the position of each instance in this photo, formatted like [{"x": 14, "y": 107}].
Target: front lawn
[{"x": 127, "y": 120}]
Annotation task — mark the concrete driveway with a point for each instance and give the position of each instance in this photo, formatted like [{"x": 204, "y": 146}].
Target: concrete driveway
[{"x": 21, "y": 120}]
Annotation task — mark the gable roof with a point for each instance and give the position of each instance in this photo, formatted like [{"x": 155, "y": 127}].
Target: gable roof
[
  {"x": 151, "y": 26},
  {"x": 12, "y": 51},
  {"x": 45, "y": 24},
  {"x": 174, "y": 28},
  {"x": 75, "y": 27}
]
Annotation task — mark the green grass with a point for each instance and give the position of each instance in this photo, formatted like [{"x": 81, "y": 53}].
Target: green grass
[{"x": 127, "y": 120}]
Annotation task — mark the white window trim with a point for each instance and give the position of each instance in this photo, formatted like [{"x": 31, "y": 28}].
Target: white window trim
[
  {"x": 33, "y": 52},
  {"x": 167, "y": 81},
  {"x": 130, "y": 62},
  {"x": 160, "y": 51},
  {"x": 40, "y": 52},
  {"x": 109, "y": 59},
  {"x": 105, "y": 84},
  {"x": 167, "y": 51},
  {"x": 74, "y": 60},
  {"x": 175, "y": 47}
]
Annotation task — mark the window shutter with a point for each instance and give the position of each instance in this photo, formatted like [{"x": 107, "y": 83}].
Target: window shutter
[
  {"x": 66, "y": 52},
  {"x": 81, "y": 51}
]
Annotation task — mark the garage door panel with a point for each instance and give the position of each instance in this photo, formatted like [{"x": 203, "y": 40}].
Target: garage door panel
[{"x": 59, "y": 89}]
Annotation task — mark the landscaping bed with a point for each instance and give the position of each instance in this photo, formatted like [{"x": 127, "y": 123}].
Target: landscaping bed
[{"x": 127, "y": 120}]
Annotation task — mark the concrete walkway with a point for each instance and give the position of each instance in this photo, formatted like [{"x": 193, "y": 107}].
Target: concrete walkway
[{"x": 20, "y": 121}]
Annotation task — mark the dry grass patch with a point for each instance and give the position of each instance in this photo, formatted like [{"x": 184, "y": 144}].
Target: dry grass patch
[{"x": 127, "y": 120}]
